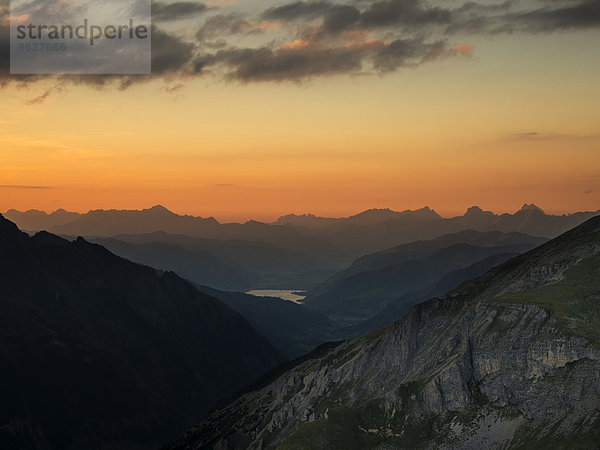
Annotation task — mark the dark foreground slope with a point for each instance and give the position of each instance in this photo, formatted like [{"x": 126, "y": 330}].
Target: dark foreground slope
[
  {"x": 98, "y": 351},
  {"x": 292, "y": 329},
  {"x": 510, "y": 358}
]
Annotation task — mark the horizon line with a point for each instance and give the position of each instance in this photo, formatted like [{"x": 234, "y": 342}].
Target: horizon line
[{"x": 307, "y": 214}]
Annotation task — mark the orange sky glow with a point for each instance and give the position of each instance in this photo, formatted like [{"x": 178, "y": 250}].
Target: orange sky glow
[{"x": 497, "y": 123}]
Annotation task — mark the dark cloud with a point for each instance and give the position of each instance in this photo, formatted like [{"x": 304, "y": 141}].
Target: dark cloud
[
  {"x": 580, "y": 15},
  {"x": 403, "y": 12},
  {"x": 304, "y": 61},
  {"x": 337, "y": 18},
  {"x": 408, "y": 52},
  {"x": 170, "y": 56},
  {"x": 325, "y": 38},
  {"x": 298, "y": 10},
  {"x": 473, "y": 17},
  {"x": 472, "y": 6},
  {"x": 164, "y": 12},
  {"x": 555, "y": 15},
  {"x": 588, "y": 191},
  {"x": 169, "y": 53},
  {"x": 231, "y": 24},
  {"x": 265, "y": 64},
  {"x": 341, "y": 18}
]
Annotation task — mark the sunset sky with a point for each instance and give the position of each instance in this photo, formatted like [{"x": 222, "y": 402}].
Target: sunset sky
[{"x": 258, "y": 109}]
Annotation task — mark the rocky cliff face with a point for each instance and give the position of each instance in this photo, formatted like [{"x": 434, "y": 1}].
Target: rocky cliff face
[{"x": 510, "y": 358}]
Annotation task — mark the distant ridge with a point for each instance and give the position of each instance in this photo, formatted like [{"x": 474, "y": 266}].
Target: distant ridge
[
  {"x": 382, "y": 214},
  {"x": 367, "y": 217},
  {"x": 335, "y": 240},
  {"x": 36, "y": 218}
]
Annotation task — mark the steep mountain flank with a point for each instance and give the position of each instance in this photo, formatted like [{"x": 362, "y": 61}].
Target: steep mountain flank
[
  {"x": 199, "y": 267},
  {"x": 373, "y": 282},
  {"x": 509, "y": 358},
  {"x": 400, "y": 306},
  {"x": 97, "y": 351}
]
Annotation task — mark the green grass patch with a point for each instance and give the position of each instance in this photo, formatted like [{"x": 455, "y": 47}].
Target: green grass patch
[{"x": 574, "y": 301}]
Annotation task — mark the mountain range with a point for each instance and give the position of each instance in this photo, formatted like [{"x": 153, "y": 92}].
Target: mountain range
[
  {"x": 508, "y": 359},
  {"x": 379, "y": 229},
  {"x": 298, "y": 252},
  {"x": 529, "y": 219}
]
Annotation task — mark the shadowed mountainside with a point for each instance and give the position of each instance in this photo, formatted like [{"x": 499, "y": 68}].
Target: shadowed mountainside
[
  {"x": 293, "y": 329},
  {"x": 267, "y": 265},
  {"x": 99, "y": 351},
  {"x": 402, "y": 305},
  {"x": 374, "y": 281},
  {"x": 198, "y": 266}
]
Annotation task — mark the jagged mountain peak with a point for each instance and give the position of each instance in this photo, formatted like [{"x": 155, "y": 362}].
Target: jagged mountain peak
[
  {"x": 48, "y": 239},
  {"x": 477, "y": 211},
  {"x": 9, "y": 232},
  {"x": 376, "y": 211},
  {"x": 158, "y": 209},
  {"x": 531, "y": 208},
  {"x": 426, "y": 212},
  {"x": 387, "y": 213}
]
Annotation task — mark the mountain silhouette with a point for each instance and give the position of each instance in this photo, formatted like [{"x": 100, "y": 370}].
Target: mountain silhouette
[
  {"x": 97, "y": 351},
  {"x": 366, "y": 232}
]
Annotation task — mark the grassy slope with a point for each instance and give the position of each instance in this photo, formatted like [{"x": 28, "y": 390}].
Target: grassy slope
[{"x": 574, "y": 301}]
